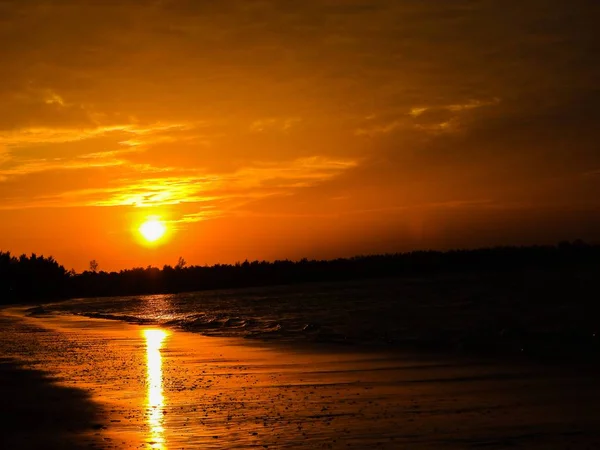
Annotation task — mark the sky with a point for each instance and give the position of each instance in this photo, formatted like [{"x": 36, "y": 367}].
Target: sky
[{"x": 273, "y": 129}]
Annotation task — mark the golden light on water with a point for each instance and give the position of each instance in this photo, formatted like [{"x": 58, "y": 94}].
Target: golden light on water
[
  {"x": 154, "y": 379},
  {"x": 153, "y": 229}
]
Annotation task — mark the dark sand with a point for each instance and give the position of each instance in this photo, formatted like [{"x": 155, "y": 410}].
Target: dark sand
[
  {"x": 38, "y": 413},
  {"x": 112, "y": 385}
]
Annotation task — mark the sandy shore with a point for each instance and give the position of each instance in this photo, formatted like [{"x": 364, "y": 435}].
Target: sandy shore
[{"x": 106, "y": 384}]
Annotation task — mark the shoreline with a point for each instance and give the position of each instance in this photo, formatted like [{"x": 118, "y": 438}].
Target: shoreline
[
  {"x": 480, "y": 350},
  {"x": 172, "y": 389}
]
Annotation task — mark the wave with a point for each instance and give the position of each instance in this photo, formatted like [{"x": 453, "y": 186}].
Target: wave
[{"x": 422, "y": 317}]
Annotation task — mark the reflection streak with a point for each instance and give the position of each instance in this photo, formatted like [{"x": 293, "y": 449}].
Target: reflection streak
[{"x": 154, "y": 378}]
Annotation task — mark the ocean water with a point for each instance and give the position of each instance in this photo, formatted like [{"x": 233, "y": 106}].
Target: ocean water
[{"x": 533, "y": 314}]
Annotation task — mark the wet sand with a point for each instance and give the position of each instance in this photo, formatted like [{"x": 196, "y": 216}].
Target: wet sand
[{"x": 141, "y": 387}]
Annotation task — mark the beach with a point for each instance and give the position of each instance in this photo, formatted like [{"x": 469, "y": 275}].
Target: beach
[{"x": 76, "y": 382}]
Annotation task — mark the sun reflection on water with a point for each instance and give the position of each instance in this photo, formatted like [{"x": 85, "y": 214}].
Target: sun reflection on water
[{"x": 154, "y": 378}]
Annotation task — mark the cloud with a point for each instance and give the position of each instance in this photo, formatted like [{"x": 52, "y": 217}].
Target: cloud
[
  {"x": 375, "y": 129},
  {"x": 207, "y": 213},
  {"x": 32, "y": 167},
  {"x": 273, "y": 124},
  {"x": 258, "y": 180},
  {"x": 144, "y": 133},
  {"x": 216, "y": 193},
  {"x": 299, "y": 173},
  {"x": 35, "y": 107},
  {"x": 4, "y": 155},
  {"x": 431, "y": 119},
  {"x": 127, "y": 138},
  {"x": 471, "y": 104}
]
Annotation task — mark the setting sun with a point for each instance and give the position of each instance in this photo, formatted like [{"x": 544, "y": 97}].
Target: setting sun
[{"x": 152, "y": 230}]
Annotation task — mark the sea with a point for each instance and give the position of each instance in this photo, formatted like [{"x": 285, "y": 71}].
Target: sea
[{"x": 466, "y": 314}]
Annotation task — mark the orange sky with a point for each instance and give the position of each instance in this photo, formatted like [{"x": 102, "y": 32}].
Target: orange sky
[{"x": 266, "y": 129}]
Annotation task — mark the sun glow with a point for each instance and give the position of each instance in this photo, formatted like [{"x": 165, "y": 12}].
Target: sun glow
[
  {"x": 152, "y": 230},
  {"x": 154, "y": 376}
]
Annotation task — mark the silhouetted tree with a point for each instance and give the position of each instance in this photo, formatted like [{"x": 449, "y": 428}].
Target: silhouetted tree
[
  {"x": 30, "y": 278},
  {"x": 35, "y": 277}
]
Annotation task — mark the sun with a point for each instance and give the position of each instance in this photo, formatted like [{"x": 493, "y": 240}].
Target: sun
[{"x": 152, "y": 230}]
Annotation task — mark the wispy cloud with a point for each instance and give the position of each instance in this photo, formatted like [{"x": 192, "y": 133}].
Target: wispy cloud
[
  {"x": 41, "y": 135},
  {"x": 381, "y": 128},
  {"x": 214, "y": 193},
  {"x": 206, "y": 213},
  {"x": 432, "y": 119},
  {"x": 126, "y": 138},
  {"x": 472, "y": 104},
  {"x": 37, "y": 166},
  {"x": 245, "y": 182},
  {"x": 274, "y": 124},
  {"x": 4, "y": 154}
]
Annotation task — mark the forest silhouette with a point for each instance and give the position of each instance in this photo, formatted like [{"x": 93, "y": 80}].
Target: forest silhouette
[{"x": 37, "y": 278}]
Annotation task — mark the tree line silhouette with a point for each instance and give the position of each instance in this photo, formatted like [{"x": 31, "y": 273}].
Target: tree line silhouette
[{"x": 37, "y": 278}]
